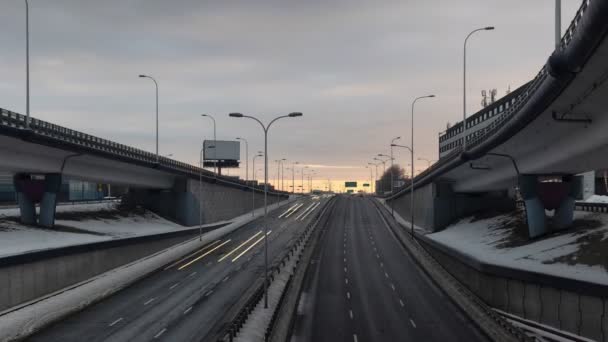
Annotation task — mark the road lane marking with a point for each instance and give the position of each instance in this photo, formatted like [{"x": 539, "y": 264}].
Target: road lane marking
[
  {"x": 160, "y": 333},
  {"x": 208, "y": 293},
  {"x": 401, "y": 302},
  {"x": 413, "y": 323},
  {"x": 150, "y": 301},
  {"x": 192, "y": 274},
  {"x": 348, "y": 295},
  {"x": 378, "y": 256},
  {"x": 345, "y": 269},
  {"x": 114, "y": 323},
  {"x": 304, "y": 212},
  {"x": 288, "y": 210},
  {"x": 346, "y": 280},
  {"x": 225, "y": 279},
  {"x": 239, "y": 246},
  {"x": 386, "y": 274},
  {"x": 204, "y": 255},
  {"x": 355, "y": 338},
  {"x": 191, "y": 255},
  {"x": 311, "y": 210},
  {"x": 250, "y": 247},
  {"x": 296, "y": 209},
  {"x": 393, "y": 286},
  {"x": 173, "y": 286},
  {"x": 381, "y": 264},
  {"x": 350, "y": 312},
  {"x": 344, "y": 260},
  {"x": 187, "y": 310}
]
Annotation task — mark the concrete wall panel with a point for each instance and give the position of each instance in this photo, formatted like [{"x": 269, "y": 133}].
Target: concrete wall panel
[{"x": 592, "y": 309}]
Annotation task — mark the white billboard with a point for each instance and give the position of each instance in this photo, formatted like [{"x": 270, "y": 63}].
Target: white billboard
[{"x": 219, "y": 150}]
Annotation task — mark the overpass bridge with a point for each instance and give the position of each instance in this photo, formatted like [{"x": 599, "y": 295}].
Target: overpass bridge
[
  {"x": 535, "y": 139},
  {"x": 41, "y": 154}
]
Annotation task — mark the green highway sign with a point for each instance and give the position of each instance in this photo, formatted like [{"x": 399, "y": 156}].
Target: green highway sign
[
  {"x": 350, "y": 184},
  {"x": 366, "y": 185}
]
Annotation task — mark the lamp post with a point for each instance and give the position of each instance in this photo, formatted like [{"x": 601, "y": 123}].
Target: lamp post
[
  {"x": 383, "y": 171},
  {"x": 464, "y": 88},
  {"x": 260, "y": 154},
  {"x": 370, "y": 177},
  {"x": 558, "y": 23},
  {"x": 156, "y": 84},
  {"x": 27, "y": 64},
  {"x": 375, "y": 189},
  {"x": 409, "y": 149},
  {"x": 429, "y": 162},
  {"x": 214, "y": 143},
  {"x": 200, "y": 191},
  {"x": 392, "y": 176},
  {"x": 266, "y": 128},
  {"x": 412, "y": 150},
  {"x": 303, "y": 167},
  {"x": 246, "y": 157},
  {"x": 293, "y": 176}
]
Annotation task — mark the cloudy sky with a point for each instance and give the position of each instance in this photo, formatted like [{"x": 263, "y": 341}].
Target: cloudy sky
[{"x": 352, "y": 67}]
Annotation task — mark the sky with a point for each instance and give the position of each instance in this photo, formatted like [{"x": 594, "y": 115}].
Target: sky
[{"x": 351, "y": 67}]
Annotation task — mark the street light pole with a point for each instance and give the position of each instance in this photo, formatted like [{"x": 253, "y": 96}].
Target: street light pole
[
  {"x": 266, "y": 128},
  {"x": 283, "y": 174},
  {"x": 558, "y": 23},
  {"x": 156, "y": 84},
  {"x": 293, "y": 177},
  {"x": 27, "y": 64},
  {"x": 246, "y": 158},
  {"x": 214, "y": 144},
  {"x": 370, "y": 177},
  {"x": 303, "y": 167},
  {"x": 392, "y": 176},
  {"x": 260, "y": 154},
  {"x": 383, "y": 172},
  {"x": 464, "y": 88},
  {"x": 412, "y": 150}
]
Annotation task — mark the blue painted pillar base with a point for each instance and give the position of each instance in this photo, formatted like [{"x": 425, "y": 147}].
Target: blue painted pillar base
[
  {"x": 48, "y": 204},
  {"x": 27, "y": 209},
  {"x": 535, "y": 210}
]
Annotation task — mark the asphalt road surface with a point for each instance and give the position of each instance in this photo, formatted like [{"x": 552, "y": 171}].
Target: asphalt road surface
[
  {"x": 184, "y": 301},
  {"x": 363, "y": 286}
]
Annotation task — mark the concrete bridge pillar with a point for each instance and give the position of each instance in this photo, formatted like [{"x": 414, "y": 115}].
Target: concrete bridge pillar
[
  {"x": 549, "y": 195},
  {"x": 31, "y": 190}
]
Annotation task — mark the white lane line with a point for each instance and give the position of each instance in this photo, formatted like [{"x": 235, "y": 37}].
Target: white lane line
[
  {"x": 401, "y": 302},
  {"x": 381, "y": 264},
  {"x": 355, "y": 338},
  {"x": 393, "y": 286},
  {"x": 346, "y": 281},
  {"x": 305, "y": 211},
  {"x": 187, "y": 310},
  {"x": 386, "y": 274},
  {"x": 250, "y": 247},
  {"x": 378, "y": 256},
  {"x": 193, "y": 254},
  {"x": 288, "y": 210},
  {"x": 208, "y": 293},
  {"x": 173, "y": 286},
  {"x": 413, "y": 323},
  {"x": 296, "y": 209},
  {"x": 239, "y": 246},
  {"x": 348, "y": 295},
  {"x": 150, "y": 301},
  {"x": 204, "y": 255},
  {"x": 311, "y": 210},
  {"x": 225, "y": 279},
  {"x": 160, "y": 333},
  {"x": 114, "y": 323},
  {"x": 345, "y": 269},
  {"x": 192, "y": 274},
  {"x": 350, "y": 312},
  {"x": 344, "y": 260}
]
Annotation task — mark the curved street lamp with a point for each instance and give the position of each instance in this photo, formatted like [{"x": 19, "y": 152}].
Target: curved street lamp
[
  {"x": 156, "y": 84},
  {"x": 464, "y": 86},
  {"x": 265, "y": 128},
  {"x": 412, "y": 150}
]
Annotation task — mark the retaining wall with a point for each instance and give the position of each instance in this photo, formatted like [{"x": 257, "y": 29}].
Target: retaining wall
[{"x": 567, "y": 304}]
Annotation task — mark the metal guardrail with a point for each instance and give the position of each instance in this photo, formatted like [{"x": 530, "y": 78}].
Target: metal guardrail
[
  {"x": 592, "y": 207},
  {"x": 16, "y": 123}
]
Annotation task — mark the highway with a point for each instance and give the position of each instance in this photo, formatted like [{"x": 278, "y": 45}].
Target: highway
[
  {"x": 186, "y": 299},
  {"x": 363, "y": 286}
]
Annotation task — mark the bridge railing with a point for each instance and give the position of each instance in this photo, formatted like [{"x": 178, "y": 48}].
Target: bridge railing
[{"x": 17, "y": 123}]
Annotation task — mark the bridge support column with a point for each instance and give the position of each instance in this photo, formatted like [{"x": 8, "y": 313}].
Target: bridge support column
[
  {"x": 551, "y": 195},
  {"x": 31, "y": 190},
  {"x": 48, "y": 204}
]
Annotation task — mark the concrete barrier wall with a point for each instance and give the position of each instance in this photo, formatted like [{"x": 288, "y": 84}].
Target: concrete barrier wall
[
  {"x": 581, "y": 310},
  {"x": 26, "y": 277}
]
